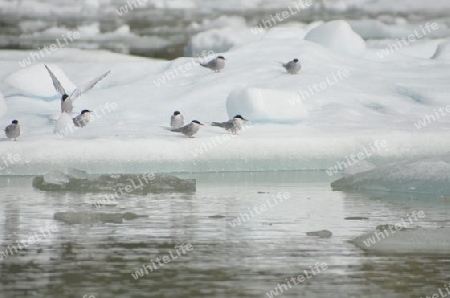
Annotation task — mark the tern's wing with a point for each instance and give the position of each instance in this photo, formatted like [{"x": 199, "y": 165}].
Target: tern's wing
[
  {"x": 176, "y": 129},
  {"x": 226, "y": 125},
  {"x": 210, "y": 64},
  {"x": 87, "y": 85},
  {"x": 56, "y": 83}
]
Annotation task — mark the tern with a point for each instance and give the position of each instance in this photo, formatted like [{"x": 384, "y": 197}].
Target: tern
[
  {"x": 188, "y": 130},
  {"x": 292, "y": 67},
  {"x": 215, "y": 64},
  {"x": 233, "y": 125},
  {"x": 12, "y": 131},
  {"x": 176, "y": 120},
  {"x": 66, "y": 100}
]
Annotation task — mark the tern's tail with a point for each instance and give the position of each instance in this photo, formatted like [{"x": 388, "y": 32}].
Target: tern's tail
[{"x": 171, "y": 128}]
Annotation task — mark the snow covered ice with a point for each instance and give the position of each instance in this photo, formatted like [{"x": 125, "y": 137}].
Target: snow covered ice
[{"x": 333, "y": 116}]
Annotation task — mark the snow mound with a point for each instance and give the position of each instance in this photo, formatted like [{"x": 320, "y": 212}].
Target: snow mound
[
  {"x": 35, "y": 80},
  {"x": 429, "y": 175},
  {"x": 339, "y": 37},
  {"x": 64, "y": 125},
  {"x": 442, "y": 51},
  {"x": 423, "y": 241},
  {"x": 266, "y": 105}
]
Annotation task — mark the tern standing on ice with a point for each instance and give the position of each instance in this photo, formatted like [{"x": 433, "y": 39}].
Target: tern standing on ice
[
  {"x": 12, "y": 131},
  {"x": 188, "y": 130},
  {"x": 82, "y": 119},
  {"x": 66, "y": 100},
  {"x": 176, "y": 120},
  {"x": 292, "y": 67},
  {"x": 233, "y": 125},
  {"x": 215, "y": 64}
]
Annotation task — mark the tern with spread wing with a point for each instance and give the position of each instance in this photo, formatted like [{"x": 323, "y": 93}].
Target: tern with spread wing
[{"x": 66, "y": 100}]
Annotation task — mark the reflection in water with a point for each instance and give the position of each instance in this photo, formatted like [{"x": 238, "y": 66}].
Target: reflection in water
[
  {"x": 11, "y": 215},
  {"x": 248, "y": 260}
]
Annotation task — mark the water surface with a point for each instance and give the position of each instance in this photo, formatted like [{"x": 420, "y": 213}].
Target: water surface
[{"x": 245, "y": 261}]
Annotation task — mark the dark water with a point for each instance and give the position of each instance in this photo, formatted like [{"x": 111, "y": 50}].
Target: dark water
[{"x": 98, "y": 259}]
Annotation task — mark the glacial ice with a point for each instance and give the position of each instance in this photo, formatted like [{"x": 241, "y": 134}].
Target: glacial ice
[
  {"x": 315, "y": 133},
  {"x": 427, "y": 176},
  {"x": 359, "y": 167}
]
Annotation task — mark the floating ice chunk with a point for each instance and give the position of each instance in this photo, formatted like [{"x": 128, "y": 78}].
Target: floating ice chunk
[
  {"x": 339, "y": 37},
  {"x": 266, "y": 105},
  {"x": 120, "y": 183},
  {"x": 321, "y": 234},
  {"x": 56, "y": 177},
  {"x": 359, "y": 167},
  {"x": 423, "y": 241},
  {"x": 429, "y": 175},
  {"x": 76, "y": 174},
  {"x": 34, "y": 80},
  {"x": 218, "y": 40},
  {"x": 442, "y": 51}
]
